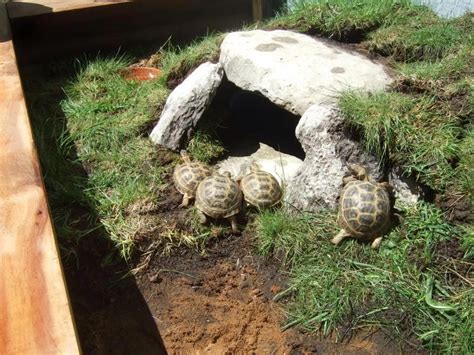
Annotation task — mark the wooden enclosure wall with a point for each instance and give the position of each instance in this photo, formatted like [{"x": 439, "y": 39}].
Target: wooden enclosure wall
[
  {"x": 126, "y": 24},
  {"x": 35, "y": 317}
]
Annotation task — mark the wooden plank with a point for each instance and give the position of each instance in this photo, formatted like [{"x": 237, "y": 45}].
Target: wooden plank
[
  {"x": 23, "y": 8},
  {"x": 35, "y": 316},
  {"x": 49, "y": 36},
  {"x": 257, "y": 10}
]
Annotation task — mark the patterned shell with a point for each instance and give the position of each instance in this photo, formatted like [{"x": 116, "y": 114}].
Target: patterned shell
[
  {"x": 219, "y": 196},
  {"x": 261, "y": 189},
  {"x": 187, "y": 176},
  {"x": 364, "y": 209}
]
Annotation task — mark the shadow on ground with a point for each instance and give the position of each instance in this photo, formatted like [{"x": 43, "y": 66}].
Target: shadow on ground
[{"x": 111, "y": 315}]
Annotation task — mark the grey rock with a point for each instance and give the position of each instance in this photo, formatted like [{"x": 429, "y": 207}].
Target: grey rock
[
  {"x": 318, "y": 182},
  {"x": 296, "y": 71},
  {"x": 282, "y": 166},
  {"x": 407, "y": 192},
  {"x": 185, "y": 106}
]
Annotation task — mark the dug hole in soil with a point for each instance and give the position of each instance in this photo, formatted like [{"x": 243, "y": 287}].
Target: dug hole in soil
[{"x": 220, "y": 302}]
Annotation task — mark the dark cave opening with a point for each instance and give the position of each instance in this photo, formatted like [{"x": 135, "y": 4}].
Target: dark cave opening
[{"x": 242, "y": 119}]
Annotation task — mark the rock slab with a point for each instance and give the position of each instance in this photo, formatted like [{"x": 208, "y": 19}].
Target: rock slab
[
  {"x": 296, "y": 71},
  {"x": 185, "y": 106}
]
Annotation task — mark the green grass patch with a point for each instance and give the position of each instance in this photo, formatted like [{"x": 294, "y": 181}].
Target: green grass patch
[
  {"x": 177, "y": 61},
  {"x": 205, "y": 147},
  {"x": 402, "y": 287},
  {"x": 422, "y": 36},
  {"x": 107, "y": 117},
  {"x": 343, "y": 20},
  {"x": 414, "y": 132}
]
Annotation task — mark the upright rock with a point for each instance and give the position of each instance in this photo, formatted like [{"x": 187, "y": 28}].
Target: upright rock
[
  {"x": 185, "y": 106},
  {"x": 296, "y": 71},
  {"x": 318, "y": 181}
]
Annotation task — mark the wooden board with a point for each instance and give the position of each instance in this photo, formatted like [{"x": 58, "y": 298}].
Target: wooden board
[
  {"x": 35, "y": 317},
  {"x": 145, "y": 22},
  {"x": 22, "y": 8}
]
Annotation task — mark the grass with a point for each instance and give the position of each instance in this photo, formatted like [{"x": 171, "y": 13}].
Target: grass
[
  {"x": 413, "y": 132},
  {"x": 342, "y": 288},
  {"x": 177, "y": 61},
  {"x": 107, "y": 118}
]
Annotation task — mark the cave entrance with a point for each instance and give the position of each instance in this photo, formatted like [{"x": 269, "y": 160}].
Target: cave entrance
[{"x": 245, "y": 119}]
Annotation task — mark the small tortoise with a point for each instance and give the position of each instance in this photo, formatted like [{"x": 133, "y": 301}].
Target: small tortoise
[
  {"x": 187, "y": 176},
  {"x": 365, "y": 209},
  {"x": 218, "y": 196},
  {"x": 260, "y": 188}
]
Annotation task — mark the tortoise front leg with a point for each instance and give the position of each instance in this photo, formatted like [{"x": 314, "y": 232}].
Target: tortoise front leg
[
  {"x": 233, "y": 223},
  {"x": 185, "y": 202},
  {"x": 376, "y": 243},
  {"x": 348, "y": 179},
  {"x": 339, "y": 237}
]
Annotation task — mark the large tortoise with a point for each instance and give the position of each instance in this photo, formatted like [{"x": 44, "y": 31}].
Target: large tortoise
[
  {"x": 365, "y": 209},
  {"x": 218, "y": 196},
  {"x": 187, "y": 176},
  {"x": 260, "y": 188}
]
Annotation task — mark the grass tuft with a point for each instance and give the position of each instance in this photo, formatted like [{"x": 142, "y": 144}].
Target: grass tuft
[{"x": 176, "y": 62}]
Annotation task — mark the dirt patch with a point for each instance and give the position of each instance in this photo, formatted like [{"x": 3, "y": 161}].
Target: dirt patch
[{"x": 457, "y": 207}]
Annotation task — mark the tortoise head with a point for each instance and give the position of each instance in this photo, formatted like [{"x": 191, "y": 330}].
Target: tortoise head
[
  {"x": 185, "y": 156},
  {"x": 254, "y": 167},
  {"x": 359, "y": 172}
]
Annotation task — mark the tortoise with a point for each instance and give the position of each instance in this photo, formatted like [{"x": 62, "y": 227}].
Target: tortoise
[
  {"x": 187, "y": 176},
  {"x": 260, "y": 188},
  {"x": 218, "y": 196},
  {"x": 365, "y": 209}
]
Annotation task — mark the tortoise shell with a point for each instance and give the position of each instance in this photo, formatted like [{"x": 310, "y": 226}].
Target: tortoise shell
[
  {"x": 218, "y": 196},
  {"x": 261, "y": 189},
  {"x": 364, "y": 210},
  {"x": 187, "y": 176}
]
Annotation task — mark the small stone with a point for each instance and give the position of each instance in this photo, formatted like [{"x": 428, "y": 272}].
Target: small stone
[
  {"x": 155, "y": 278},
  {"x": 275, "y": 289}
]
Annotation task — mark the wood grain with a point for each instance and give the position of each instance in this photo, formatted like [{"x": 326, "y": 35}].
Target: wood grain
[
  {"x": 23, "y": 8},
  {"x": 145, "y": 22},
  {"x": 35, "y": 317}
]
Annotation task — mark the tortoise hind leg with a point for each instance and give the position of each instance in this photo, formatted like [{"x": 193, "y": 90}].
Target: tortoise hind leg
[
  {"x": 202, "y": 217},
  {"x": 339, "y": 237},
  {"x": 376, "y": 243},
  {"x": 233, "y": 223}
]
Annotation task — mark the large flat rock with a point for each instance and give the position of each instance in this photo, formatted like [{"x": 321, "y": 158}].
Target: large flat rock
[{"x": 296, "y": 71}]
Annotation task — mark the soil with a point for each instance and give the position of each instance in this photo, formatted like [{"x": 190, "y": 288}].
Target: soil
[{"x": 457, "y": 207}]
